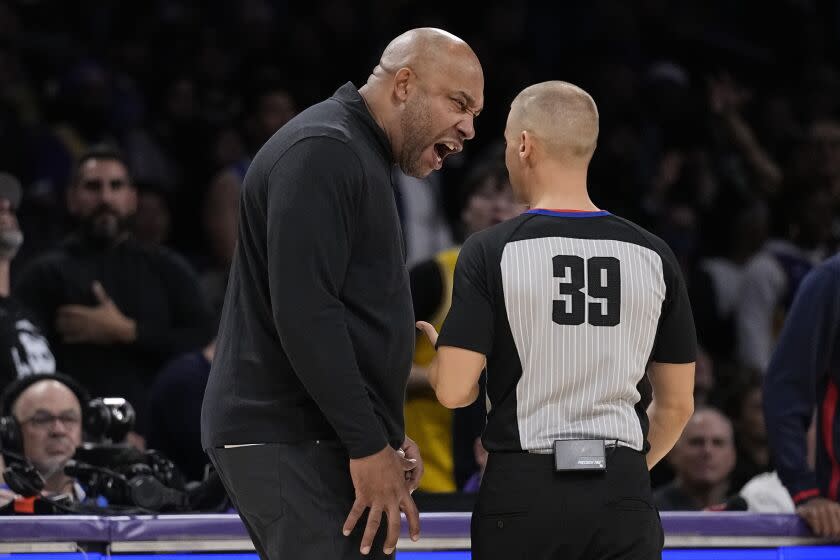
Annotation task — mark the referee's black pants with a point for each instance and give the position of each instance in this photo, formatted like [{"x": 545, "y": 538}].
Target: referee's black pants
[
  {"x": 294, "y": 499},
  {"x": 526, "y": 510}
]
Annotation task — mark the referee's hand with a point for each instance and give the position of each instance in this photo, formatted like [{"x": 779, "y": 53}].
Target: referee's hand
[
  {"x": 380, "y": 484},
  {"x": 412, "y": 464},
  {"x": 429, "y": 330}
]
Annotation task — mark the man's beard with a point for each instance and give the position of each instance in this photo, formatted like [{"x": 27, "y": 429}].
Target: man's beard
[
  {"x": 105, "y": 226},
  {"x": 416, "y": 125}
]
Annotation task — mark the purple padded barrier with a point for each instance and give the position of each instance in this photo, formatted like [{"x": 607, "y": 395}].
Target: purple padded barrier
[
  {"x": 458, "y": 525},
  {"x": 441, "y": 525},
  {"x": 227, "y": 526},
  {"x": 66, "y": 528},
  {"x": 734, "y": 524},
  {"x": 177, "y": 527}
]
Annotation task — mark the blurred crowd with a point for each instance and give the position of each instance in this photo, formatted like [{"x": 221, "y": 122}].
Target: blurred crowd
[{"x": 126, "y": 131}]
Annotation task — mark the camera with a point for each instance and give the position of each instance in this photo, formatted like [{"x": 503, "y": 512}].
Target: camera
[
  {"x": 121, "y": 474},
  {"x": 108, "y": 419},
  {"x": 124, "y": 476}
]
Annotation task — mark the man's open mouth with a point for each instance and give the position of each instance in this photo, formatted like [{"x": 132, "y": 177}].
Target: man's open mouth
[{"x": 443, "y": 149}]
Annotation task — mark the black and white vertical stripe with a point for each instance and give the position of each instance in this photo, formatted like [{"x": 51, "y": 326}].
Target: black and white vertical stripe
[{"x": 579, "y": 381}]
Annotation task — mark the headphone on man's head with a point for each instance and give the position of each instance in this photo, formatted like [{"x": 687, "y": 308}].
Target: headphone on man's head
[{"x": 11, "y": 437}]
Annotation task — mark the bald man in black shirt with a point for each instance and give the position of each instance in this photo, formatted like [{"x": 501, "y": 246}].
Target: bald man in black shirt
[{"x": 304, "y": 406}]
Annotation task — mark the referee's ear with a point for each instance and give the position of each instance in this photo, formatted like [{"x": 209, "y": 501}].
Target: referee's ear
[{"x": 526, "y": 148}]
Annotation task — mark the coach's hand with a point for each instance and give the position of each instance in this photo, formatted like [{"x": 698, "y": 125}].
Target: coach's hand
[
  {"x": 380, "y": 484},
  {"x": 822, "y": 515},
  {"x": 414, "y": 471}
]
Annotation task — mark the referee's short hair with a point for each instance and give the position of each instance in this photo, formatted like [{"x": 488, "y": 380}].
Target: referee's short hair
[{"x": 562, "y": 116}]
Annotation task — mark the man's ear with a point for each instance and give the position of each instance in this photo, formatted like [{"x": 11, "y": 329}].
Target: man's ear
[
  {"x": 403, "y": 83},
  {"x": 526, "y": 147}
]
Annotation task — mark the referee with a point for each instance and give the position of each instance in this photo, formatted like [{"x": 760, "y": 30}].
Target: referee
[{"x": 567, "y": 306}]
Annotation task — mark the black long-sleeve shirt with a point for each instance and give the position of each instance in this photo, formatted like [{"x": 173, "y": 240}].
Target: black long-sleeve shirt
[
  {"x": 317, "y": 330},
  {"x": 152, "y": 286}
]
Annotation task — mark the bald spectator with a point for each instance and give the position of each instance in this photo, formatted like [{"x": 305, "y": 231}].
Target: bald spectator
[
  {"x": 48, "y": 412},
  {"x": 703, "y": 460}
]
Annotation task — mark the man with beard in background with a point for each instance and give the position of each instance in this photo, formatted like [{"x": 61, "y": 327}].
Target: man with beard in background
[{"x": 114, "y": 310}]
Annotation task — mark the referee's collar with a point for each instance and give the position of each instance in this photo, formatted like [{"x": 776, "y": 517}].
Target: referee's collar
[{"x": 566, "y": 213}]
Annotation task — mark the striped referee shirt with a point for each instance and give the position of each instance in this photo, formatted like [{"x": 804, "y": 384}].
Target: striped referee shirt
[{"x": 569, "y": 308}]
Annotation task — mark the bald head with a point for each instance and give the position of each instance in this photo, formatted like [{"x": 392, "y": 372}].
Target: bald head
[
  {"x": 49, "y": 391},
  {"x": 704, "y": 456},
  {"x": 425, "y": 94},
  {"x": 707, "y": 415},
  {"x": 422, "y": 48},
  {"x": 50, "y": 415},
  {"x": 560, "y": 116}
]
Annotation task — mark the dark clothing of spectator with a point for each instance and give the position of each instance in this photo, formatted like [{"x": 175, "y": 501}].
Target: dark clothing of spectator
[
  {"x": 746, "y": 468},
  {"x": 174, "y": 425},
  {"x": 672, "y": 498},
  {"x": 23, "y": 348},
  {"x": 150, "y": 285}
]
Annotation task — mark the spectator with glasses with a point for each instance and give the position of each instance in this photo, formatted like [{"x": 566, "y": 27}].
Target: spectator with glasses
[{"x": 42, "y": 417}]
